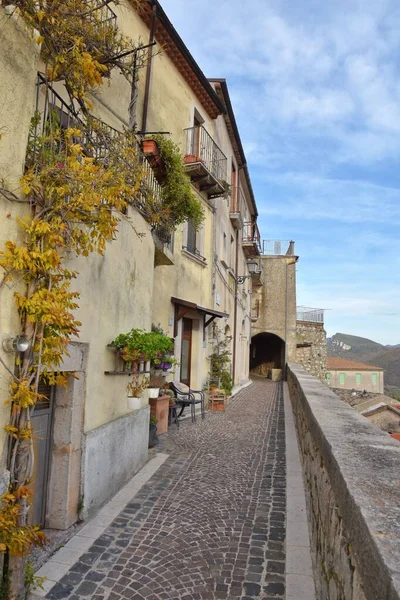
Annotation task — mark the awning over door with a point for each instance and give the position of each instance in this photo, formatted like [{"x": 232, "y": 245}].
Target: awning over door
[{"x": 183, "y": 306}]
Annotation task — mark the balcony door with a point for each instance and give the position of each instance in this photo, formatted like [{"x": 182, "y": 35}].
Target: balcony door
[
  {"x": 234, "y": 191},
  {"x": 186, "y": 350},
  {"x": 196, "y": 150}
]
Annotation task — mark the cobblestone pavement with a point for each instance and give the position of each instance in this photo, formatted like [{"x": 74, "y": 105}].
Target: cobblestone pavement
[{"x": 209, "y": 524}]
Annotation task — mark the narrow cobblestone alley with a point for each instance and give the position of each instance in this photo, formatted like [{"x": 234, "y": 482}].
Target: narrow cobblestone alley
[{"x": 210, "y": 523}]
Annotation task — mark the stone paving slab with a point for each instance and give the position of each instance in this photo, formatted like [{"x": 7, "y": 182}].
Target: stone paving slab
[{"x": 210, "y": 523}]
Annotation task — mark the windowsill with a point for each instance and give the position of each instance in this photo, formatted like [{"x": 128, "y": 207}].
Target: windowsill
[{"x": 198, "y": 259}]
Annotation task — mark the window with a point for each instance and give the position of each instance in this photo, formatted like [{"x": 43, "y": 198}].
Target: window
[
  {"x": 342, "y": 378},
  {"x": 191, "y": 237},
  {"x": 194, "y": 240},
  {"x": 374, "y": 378},
  {"x": 358, "y": 378}
]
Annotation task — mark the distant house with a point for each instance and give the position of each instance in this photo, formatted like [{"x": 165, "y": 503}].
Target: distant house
[
  {"x": 384, "y": 416},
  {"x": 349, "y": 375}
]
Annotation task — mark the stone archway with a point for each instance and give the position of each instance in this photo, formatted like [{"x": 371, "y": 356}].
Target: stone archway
[{"x": 267, "y": 351}]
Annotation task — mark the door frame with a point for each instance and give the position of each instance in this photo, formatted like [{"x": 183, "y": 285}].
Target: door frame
[
  {"x": 189, "y": 330},
  {"x": 49, "y": 411}
]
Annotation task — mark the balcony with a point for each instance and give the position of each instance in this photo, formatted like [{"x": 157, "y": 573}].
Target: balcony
[
  {"x": 96, "y": 138},
  {"x": 236, "y": 208},
  {"x": 205, "y": 162},
  {"x": 310, "y": 315},
  {"x": 251, "y": 242},
  {"x": 277, "y": 248},
  {"x": 255, "y": 311},
  {"x": 257, "y": 278}
]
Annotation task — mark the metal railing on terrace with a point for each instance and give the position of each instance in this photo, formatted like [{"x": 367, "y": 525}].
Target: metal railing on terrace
[
  {"x": 54, "y": 113},
  {"x": 251, "y": 234},
  {"x": 310, "y": 315},
  {"x": 278, "y": 247},
  {"x": 103, "y": 14},
  {"x": 200, "y": 147},
  {"x": 237, "y": 200}
]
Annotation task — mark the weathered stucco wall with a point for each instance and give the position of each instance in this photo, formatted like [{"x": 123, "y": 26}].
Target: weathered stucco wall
[
  {"x": 19, "y": 57},
  {"x": 311, "y": 348},
  {"x": 352, "y": 486},
  {"x": 116, "y": 292}
]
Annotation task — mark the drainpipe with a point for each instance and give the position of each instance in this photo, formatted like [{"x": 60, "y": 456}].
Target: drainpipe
[
  {"x": 286, "y": 320},
  {"x": 148, "y": 71},
  {"x": 293, "y": 262},
  {"x": 235, "y": 309}
]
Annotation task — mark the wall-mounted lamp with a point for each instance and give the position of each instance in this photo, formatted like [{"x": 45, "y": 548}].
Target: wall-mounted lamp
[
  {"x": 252, "y": 266},
  {"x": 15, "y": 344}
]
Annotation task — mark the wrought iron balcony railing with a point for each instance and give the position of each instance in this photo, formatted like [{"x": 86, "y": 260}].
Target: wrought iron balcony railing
[
  {"x": 251, "y": 238},
  {"x": 238, "y": 200},
  {"x": 104, "y": 14},
  {"x": 310, "y": 315},
  {"x": 200, "y": 148},
  {"x": 53, "y": 113},
  {"x": 278, "y": 247},
  {"x": 236, "y": 207}
]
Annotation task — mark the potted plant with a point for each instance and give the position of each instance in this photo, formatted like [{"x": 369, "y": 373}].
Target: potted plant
[
  {"x": 153, "y": 438},
  {"x": 154, "y": 384},
  {"x": 135, "y": 389},
  {"x": 140, "y": 345}
]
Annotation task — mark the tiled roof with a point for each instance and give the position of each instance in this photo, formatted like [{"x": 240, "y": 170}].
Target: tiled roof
[
  {"x": 334, "y": 363},
  {"x": 396, "y": 436}
]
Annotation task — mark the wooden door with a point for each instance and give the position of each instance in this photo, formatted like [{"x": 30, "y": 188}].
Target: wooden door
[
  {"x": 186, "y": 351},
  {"x": 42, "y": 431}
]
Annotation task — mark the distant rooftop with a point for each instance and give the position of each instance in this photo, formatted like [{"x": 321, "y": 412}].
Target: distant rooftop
[{"x": 334, "y": 363}]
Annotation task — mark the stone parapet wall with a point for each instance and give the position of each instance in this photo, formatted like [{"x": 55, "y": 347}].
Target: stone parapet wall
[
  {"x": 311, "y": 349},
  {"x": 351, "y": 474}
]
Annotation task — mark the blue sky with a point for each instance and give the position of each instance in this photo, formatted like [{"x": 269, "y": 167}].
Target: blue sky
[{"x": 316, "y": 92}]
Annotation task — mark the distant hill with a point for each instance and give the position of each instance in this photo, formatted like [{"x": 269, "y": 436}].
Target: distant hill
[{"x": 370, "y": 352}]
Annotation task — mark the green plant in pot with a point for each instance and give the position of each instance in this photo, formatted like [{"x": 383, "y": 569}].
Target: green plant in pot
[
  {"x": 138, "y": 344},
  {"x": 220, "y": 360}
]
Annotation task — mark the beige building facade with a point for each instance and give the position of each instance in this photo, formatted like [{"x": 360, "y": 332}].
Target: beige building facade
[
  {"x": 88, "y": 443},
  {"x": 348, "y": 374}
]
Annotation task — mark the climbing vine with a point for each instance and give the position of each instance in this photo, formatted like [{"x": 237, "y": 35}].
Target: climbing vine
[{"x": 78, "y": 183}]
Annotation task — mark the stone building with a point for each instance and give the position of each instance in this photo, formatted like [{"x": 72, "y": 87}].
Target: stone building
[
  {"x": 273, "y": 341},
  {"x": 311, "y": 346}
]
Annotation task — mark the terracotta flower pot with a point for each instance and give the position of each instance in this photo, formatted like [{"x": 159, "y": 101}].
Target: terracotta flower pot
[
  {"x": 191, "y": 158},
  {"x": 150, "y": 148}
]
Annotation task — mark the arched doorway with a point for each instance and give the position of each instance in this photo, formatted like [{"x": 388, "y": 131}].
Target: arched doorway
[{"x": 267, "y": 351}]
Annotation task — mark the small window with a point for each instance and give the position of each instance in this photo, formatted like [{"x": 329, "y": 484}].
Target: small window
[
  {"x": 328, "y": 377},
  {"x": 191, "y": 237},
  {"x": 374, "y": 378},
  {"x": 358, "y": 378},
  {"x": 342, "y": 378}
]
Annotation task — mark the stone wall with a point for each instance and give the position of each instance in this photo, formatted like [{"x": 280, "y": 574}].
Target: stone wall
[
  {"x": 311, "y": 348},
  {"x": 352, "y": 486},
  {"x": 277, "y": 301}
]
